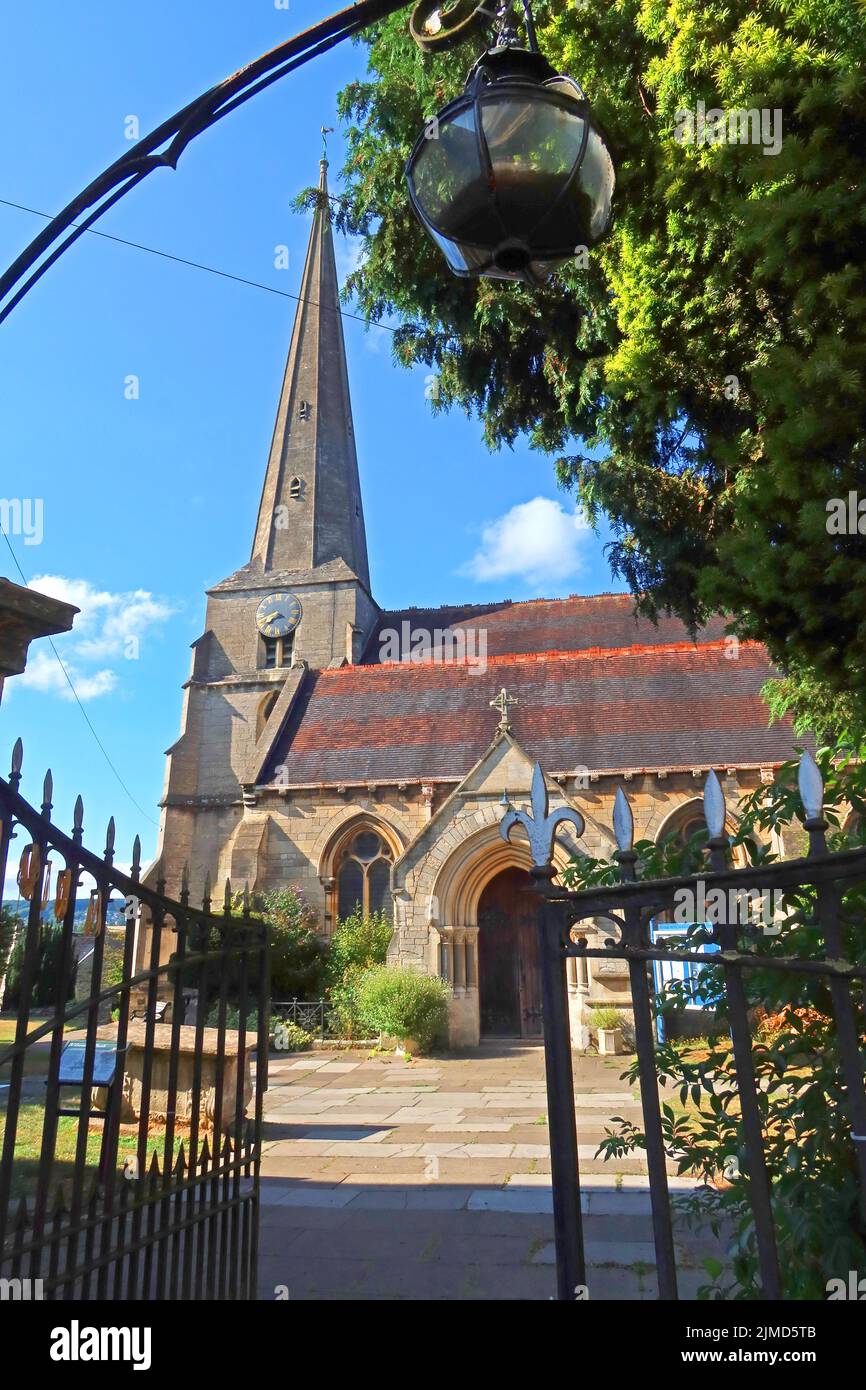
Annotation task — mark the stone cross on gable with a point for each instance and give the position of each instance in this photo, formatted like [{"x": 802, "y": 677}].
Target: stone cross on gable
[{"x": 502, "y": 701}]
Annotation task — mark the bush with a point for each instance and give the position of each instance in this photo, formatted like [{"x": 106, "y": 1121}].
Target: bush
[
  {"x": 9, "y": 922},
  {"x": 606, "y": 1018},
  {"x": 297, "y": 950},
  {"x": 46, "y": 983},
  {"x": 233, "y": 1018},
  {"x": 404, "y": 1004},
  {"x": 288, "y": 1037},
  {"x": 358, "y": 945}
]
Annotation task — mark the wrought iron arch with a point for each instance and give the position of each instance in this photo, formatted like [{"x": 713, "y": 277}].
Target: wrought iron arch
[{"x": 162, "y": 147}]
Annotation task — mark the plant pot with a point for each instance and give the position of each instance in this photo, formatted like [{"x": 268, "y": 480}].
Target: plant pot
[{"x": 609, "y": 1042}]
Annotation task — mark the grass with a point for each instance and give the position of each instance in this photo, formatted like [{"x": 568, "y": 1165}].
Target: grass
[
  {"x": 28, "y": 1147},
  {"x": 36, "y": 1056}
]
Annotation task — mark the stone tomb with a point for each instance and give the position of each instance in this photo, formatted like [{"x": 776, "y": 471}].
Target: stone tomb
[{"x": 161, "y": 1056}]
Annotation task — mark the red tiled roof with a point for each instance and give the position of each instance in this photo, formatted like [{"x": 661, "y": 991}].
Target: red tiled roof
[
  {"x": 655, "y": 700},
  {"x": 540, "y": 625}
]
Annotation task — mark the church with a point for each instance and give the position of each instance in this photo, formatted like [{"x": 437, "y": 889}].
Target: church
[{"x": 364, "y": 756}]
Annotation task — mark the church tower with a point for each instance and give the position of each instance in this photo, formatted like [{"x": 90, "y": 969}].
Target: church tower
[{"x": 300, "y": 605}]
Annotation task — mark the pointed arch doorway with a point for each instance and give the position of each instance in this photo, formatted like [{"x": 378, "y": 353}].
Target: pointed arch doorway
[{"x": 509, "y": 974}]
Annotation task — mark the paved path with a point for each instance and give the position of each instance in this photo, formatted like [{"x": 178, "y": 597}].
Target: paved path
[{"x": 429, "y": 1179}]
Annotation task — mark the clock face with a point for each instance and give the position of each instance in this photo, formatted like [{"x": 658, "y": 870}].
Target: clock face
[{"x": 278, "y": 615}]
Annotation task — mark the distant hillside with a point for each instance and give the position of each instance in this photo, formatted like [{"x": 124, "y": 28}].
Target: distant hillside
[{"x": 113, "y": 917}]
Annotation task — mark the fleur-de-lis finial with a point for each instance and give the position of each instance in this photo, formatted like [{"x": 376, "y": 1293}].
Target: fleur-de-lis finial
[{"x": 541, "y": 825}]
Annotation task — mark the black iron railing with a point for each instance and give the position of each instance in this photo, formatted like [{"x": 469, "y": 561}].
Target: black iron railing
[
  {"x": 146, "y": 1183},
  {"x": 733, "y": 947},
  {"x": 309, "y": 1014}
]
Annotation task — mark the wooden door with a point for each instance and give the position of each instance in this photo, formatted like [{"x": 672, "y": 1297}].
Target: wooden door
[{"x": 509, "y": 979}]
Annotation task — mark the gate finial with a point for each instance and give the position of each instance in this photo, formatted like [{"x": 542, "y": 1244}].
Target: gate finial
[
  {"x": 540, "y": 826},
  {"x": 623, "y": 822},
  {"x": 714, "y": 806},
  {"x": 17, "y": 760},
  {"x": 811, "y": 786}
]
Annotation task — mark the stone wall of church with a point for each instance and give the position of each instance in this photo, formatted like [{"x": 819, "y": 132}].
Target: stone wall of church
[{"x": 453, "y": 848}]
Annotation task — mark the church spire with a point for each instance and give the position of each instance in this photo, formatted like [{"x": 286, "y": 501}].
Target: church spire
[{"x": 311, "y": 511}]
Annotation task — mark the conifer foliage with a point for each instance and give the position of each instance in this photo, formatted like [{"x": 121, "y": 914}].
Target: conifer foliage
[{"x": 700, "y": 376}]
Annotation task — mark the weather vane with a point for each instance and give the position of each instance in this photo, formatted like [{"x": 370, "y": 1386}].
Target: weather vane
[{"x": 326, "y": 131}]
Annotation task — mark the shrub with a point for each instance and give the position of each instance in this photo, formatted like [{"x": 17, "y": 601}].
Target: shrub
[
  {"x": 404, "y": 1004},
  {"x": 606, "y": 1018},
  {"x": 233, "y": 1018},
  {"x": 359, "y": 944},
  {"x": 9, "y": 922},
  {"x": 297, "y": 950},
  {"x": 47, "y": 979},
  {"x": 288, "y": 1037}
]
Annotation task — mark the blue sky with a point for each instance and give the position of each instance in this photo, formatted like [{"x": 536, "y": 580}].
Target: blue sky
[{"x": 147, "y": 502}]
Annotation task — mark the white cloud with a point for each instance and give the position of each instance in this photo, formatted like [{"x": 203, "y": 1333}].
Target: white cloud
[
  {"x": 539, "y": 542},
  {"x": 347, "y": 254},
  {"x": 110, "y": 626},
  {"x": 44, "y": 673}
]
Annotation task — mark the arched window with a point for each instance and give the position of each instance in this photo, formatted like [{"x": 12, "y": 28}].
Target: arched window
[
  {"x": 296, "y": 488},
  {"x": 265, "y": 707},
  {"x": 691, "y": 823},
  {"x": 364, "y": 875}
]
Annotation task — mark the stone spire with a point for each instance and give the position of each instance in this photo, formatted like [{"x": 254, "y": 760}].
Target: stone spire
[{"x": 311, "y": 511}]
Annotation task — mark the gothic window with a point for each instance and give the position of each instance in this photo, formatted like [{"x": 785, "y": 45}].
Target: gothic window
[
  {"x": 691, "y": 823},
  {"x": 304, "y": 410},
  {"x": 277, "y": 651},
  {"x": 265, "y": 708},
  {"x": 296, "y": 488},
  {"x": 364, "y": 875}
]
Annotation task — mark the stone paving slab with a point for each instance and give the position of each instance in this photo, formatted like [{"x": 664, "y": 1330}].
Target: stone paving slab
[{"x": 385, "y": 1179}]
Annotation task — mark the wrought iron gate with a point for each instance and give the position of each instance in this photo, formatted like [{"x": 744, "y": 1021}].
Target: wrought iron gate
[
  {"x": 145, "y": 1183},
  {"x": 735, "y": 947}
]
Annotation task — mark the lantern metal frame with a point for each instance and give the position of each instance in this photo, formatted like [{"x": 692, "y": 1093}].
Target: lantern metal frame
[{"x": 510, "y": 72}]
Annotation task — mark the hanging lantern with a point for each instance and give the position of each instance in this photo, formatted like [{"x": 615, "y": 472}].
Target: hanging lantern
[{"x": 513, "y": 177}]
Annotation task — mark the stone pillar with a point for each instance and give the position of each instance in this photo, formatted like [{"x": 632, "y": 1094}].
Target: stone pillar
[
  {"x": 459, "y": 958},
  {"x": 460, "y": 969},
  {"x": 472, "y": 958}
]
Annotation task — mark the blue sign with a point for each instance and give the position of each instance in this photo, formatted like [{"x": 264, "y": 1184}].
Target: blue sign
[{"x": 72, "y": 1064}]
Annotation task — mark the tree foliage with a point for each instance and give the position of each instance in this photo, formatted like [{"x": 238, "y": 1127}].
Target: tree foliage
[
  {"x": 701, "y": 381},
  {"x": 359, "y": 944}
]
